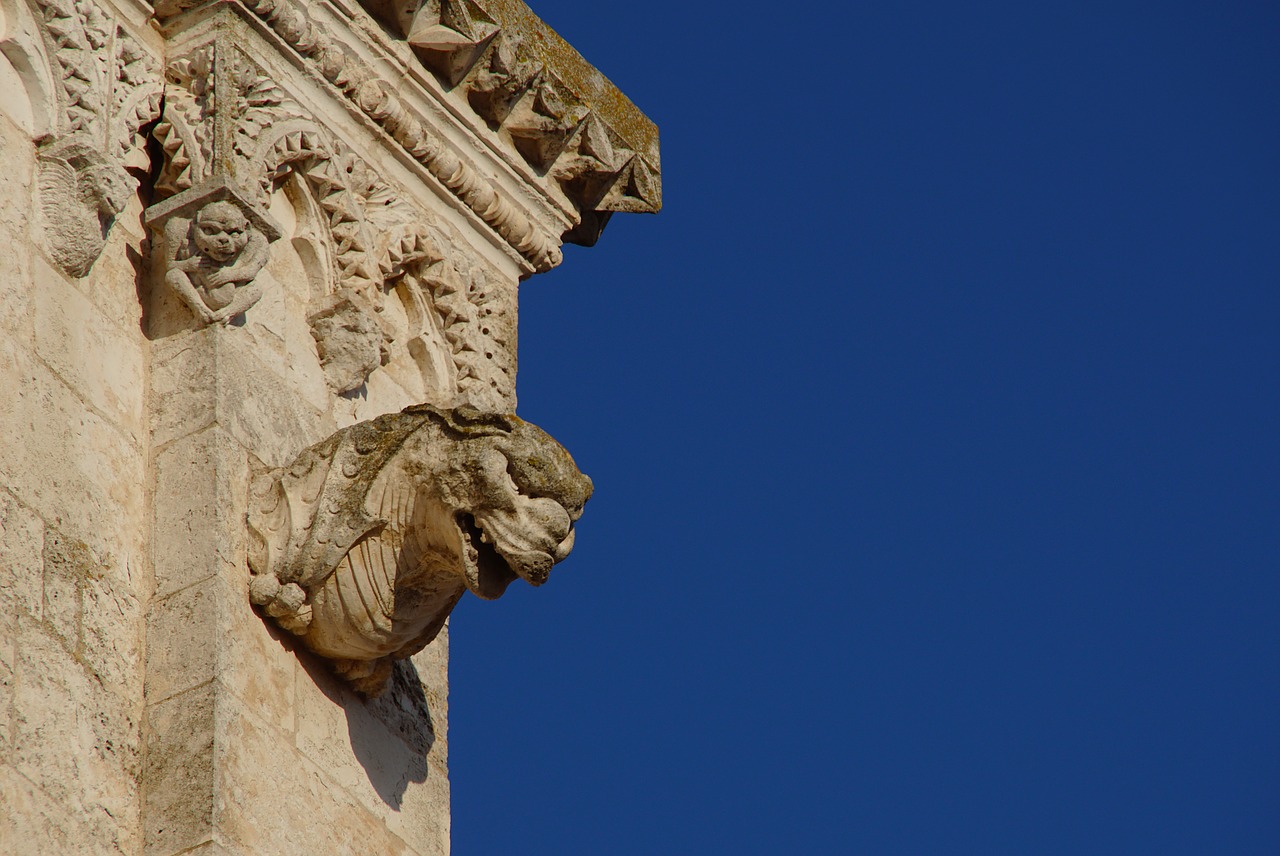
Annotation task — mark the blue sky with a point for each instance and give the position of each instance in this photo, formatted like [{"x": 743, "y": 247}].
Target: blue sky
[{"x": 934, "y": 428}]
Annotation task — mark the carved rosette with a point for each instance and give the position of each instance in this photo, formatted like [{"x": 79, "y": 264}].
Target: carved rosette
[{"x": 363, "y": 546}]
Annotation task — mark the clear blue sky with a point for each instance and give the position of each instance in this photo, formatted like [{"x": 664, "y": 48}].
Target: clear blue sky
[{"x": 935, "y": 432}]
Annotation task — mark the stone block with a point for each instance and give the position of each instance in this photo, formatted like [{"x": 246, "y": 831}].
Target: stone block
[
  {"x": 381, "y": 752},
  {"x": 67, "y": 561},
  {"x": 114, "y": 283},
  {"x": 222, "y": 375},
  {"x": 381, "y": 395},
  {"x": 182, "y": 640},
  {"x": 111, "y": 634},
  {"x": 183, "y": 372},
  {"x": 99, "y": 360},
  {"x": 31, "y": 824},
  {"x": 34, "y": 824},
  {"x": 259, "y": 406},
  {"x": 6, "y": 699},
  {"x": 71, "y": 467},
  {"x": 268, "y": 792},
  {"x": 210, "y": 630},
  {"x": 201, "y": 489},
  {"x": 17, "y": 202},
  {"x": 178, "y": 784},
  {"x": 21, "y": 559},
  {"x": 257, "y": 661},
  {"x": 79, "y": 741},
  {"x": 214, "y": 848}
]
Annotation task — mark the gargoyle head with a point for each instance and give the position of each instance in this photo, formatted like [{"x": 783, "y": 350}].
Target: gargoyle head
[
  {"x": 524, "y": 497},
  {"x": 220, "y": 231},
  {"x": 108, "y": 188}
]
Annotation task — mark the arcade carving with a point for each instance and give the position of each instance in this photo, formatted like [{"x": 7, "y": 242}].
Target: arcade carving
[{"x": 363, "y": 546}]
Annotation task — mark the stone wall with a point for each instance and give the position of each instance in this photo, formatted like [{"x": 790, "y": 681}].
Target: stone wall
[
  {"x": 389, "y": 180},
  {"x": 74, "y": 545}
]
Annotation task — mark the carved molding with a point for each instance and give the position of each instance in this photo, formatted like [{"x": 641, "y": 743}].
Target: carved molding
[
  {"x": 378, "y": 241},
  {"x": 580, "y": 137},
  {"x": 562, "y": 117},
  {"x": 379, "y": 102},
  {"x": 363, "y": 546}
]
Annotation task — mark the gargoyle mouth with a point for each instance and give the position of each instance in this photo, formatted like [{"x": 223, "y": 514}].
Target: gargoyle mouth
[{"x": 487, "y": 572}]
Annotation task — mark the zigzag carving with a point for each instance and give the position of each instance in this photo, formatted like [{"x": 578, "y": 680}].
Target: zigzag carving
[
  {"x": 377, "y": 101},
  {"x": 376, "y": 239}
]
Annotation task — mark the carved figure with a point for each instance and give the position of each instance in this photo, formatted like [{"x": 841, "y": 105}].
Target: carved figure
[
  {"x": 363, "y": 546},
  {"x": 214, "y": 260},
  {"x": 349, "y": 341},
  {"x": 81, "y": 192}
]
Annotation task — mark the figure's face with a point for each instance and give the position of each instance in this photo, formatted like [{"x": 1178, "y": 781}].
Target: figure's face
[
  {"x": 529, "y": 494},
  {"x": 112, "y": 188},
  {"x": 221, "y": 232}
]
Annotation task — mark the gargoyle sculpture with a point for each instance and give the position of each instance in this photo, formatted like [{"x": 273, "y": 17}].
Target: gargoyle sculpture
[
  {"x": 363, "y": 546},
  {"x": 81, "y": 192}
]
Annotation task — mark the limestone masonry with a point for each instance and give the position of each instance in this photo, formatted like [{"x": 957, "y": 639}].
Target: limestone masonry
[{"x": 259, "y": 263}]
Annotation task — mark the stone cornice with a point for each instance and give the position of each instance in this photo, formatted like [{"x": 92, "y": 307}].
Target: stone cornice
[
  {"x": 558, "y": 126},
  {"x": 578, "y": 133}
]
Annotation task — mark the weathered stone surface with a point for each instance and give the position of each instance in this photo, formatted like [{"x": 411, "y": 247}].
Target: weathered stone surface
[
  {"x": 204, "y": 632},
  {"x": 200, "y": 484},
  {"x": 16, "y": 201},
  {"x": 183, "y": 386},
  {"x": 335, "y": 226},
  {"x": 349, "y": 341},
  {"x": 80, "y": 740},
  {"x": 31, "y": 822},
  {"x": 101, "y": 362},
  {"x": 67, "y": 463},
  {"x": 21, "y": 559},
  {"x": 364, "y": 544},
  {"x": 396, "y": 781},
  {"x": 259, "y": 806},
  {"x": 261, "y": 409},
  {"x": 179, "y": 786}
]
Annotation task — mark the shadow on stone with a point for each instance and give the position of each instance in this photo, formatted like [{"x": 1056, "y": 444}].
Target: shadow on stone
[
  {"x": 403, "y": 710},
  {"x": 391, "y": 735}
]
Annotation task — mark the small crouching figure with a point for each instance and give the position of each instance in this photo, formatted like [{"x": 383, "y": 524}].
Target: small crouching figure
[{"x": 214, "y": 260}]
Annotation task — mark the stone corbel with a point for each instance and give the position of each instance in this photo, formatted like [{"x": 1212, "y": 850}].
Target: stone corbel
[
  {"x": 107, "y": 90},
  {"x": 213, "y": 244},
  {"x": 362, "y": 547}
]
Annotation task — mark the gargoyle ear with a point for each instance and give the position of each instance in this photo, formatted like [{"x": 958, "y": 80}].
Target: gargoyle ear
[{"x": 496, "y": 488}]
